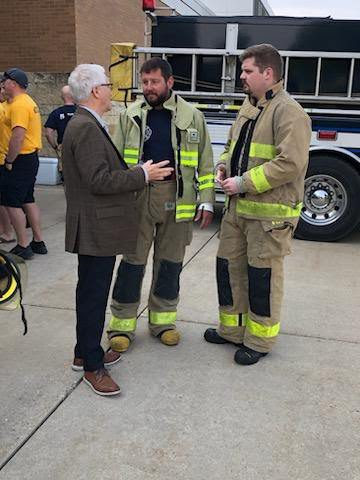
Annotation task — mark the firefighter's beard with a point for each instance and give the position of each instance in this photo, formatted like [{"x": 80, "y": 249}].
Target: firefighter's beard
[{"x": 156, "y": 100}]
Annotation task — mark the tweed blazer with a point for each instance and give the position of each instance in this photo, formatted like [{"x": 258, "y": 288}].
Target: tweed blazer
[{"x": 101, "y": 213}]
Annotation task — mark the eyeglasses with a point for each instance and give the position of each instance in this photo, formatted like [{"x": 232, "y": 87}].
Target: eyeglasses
[{"x": 106, "y": 85}]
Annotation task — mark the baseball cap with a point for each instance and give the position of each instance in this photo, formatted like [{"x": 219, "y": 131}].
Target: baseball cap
[{"x": 17, "y": 75}]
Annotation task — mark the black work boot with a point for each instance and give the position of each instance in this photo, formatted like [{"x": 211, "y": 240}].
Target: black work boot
[
  {"x": 212, "y": 336},
  {"x": 247, "y": 356}
]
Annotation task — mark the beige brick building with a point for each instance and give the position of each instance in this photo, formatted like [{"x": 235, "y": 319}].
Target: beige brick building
[
  {"x": 55, "y": 35},
  {"x": 47, "y": 38}
]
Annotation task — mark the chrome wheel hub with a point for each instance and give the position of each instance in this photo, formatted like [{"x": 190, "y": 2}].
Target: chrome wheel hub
[{"x": 325, "y": 200}]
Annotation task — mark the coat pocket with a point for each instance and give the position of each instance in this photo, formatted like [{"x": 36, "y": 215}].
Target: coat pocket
[{"x": 277, "y": 239}]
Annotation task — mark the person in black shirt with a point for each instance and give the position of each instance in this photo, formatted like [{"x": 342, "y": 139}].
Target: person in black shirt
[{"x": 56, "y": 123}]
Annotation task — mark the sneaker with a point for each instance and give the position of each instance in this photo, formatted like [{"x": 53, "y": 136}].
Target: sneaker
[
  {"x": 24, "y": 252},
  {"x": 38, "y": 247},
  {"x": 212, "y": 336},
  {"x": 101, "y": 383},
  {"x": 110, "y": 358},
  {"x": 248, "y": 356},
  {"x": 170, "y": 337}
]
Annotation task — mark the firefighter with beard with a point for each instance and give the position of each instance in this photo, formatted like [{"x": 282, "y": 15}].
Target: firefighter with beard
[
  {"x": 163, "y": 126},
  {"x": 262, "y": 173}
]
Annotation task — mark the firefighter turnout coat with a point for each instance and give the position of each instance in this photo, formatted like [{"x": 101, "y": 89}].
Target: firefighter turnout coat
[
  {"x": 268, "y": 146},
  {"x": 192, "y": 151}
]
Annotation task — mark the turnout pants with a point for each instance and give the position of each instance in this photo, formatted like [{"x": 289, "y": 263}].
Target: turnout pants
[
  {"x": 157, "y": 227},
  {"x": 249, "y": 270}
]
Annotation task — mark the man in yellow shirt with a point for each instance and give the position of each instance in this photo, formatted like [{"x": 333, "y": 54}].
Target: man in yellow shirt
[
  {"x": 22, "y": 138},
  {"x": 6, "y": 233}
]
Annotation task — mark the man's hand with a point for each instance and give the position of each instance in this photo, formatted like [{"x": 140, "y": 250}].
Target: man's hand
[
  {"x": 205, "y": 216},
  {"x": 157, "y": 171},
  {"x": 232, "y": 185},
  {"x": 220, "y": 173}
]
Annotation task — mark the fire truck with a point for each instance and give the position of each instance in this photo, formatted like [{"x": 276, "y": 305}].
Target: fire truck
[{"x": 321, "y": 71}]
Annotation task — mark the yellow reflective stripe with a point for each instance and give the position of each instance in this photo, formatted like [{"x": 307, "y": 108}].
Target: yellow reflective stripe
[
  {"x": 206, "y": 185},
  {"x": 183, "y": 206},
  {"x": 185, "y": 211},
  {"x": 131, "y": 155},
  {"x": 185, "y": 215},
  {"x": 189, "y": 163},
  {"x": 229, "y": 320},
  {"x": 131, "y": 152},
  {"x": 189, "y": 158},
  {"x": 262, "y": 331},
  {"x": 223, "y": 157},
  {"x": 8, "y": 293},
  {"x": 122, "y": 324},
  {"x": 262, "y": 150},
  {"x": 206, "y": 181},
  {"x": 190, "y": 153},
  {"x": 259, "y": 179},
  {"x": 162, "y": 318},
  {"x": 269, "y": 210},
  {"x": 211, "y": 176}
]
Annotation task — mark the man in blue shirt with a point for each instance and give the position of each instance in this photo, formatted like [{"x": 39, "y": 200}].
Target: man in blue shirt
[{"x": 56, "y": 123}]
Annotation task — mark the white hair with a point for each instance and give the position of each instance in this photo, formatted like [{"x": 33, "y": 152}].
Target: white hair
[{"x": 84, "y": 78}]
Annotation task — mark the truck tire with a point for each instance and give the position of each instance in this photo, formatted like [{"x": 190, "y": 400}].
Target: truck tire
[{"x": 331, "y": 200}]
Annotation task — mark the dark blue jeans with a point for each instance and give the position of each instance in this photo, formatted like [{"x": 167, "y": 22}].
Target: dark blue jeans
[{"x": 92, "y": 291}]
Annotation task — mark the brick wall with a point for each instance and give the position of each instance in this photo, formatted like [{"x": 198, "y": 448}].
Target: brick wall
[
  {"x": 45, "y": 88},
  {"x": 98, "y": 24},
  {"x": 42, "y": 39},
  {"x": 55, "y": 35},
  {"x": 38, "y": 35}
]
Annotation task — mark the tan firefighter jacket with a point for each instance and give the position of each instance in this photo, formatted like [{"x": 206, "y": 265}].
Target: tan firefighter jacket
[
  {"x": 275, "y": 141},
  {"x": 192, "y": 151}
]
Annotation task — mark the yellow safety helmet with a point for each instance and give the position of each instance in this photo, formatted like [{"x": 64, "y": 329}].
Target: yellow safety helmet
[{"x": 13, "y": 277}]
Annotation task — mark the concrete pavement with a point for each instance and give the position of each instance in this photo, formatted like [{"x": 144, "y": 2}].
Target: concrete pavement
[{"x": 186, "y": 412}]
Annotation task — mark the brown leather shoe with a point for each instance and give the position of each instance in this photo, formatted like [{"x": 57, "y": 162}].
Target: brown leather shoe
[
  {"x": 101, "y": 382},
  {"x": 78, "y": 364},
  {"x": 110, "y": 358}
]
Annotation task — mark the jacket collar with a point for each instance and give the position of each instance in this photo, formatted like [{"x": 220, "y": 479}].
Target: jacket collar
[
  {"x": 182, "y": 112},
  {"x": 251, "y": 111},
  {"x": 84, "y": 111},
  {"x": 270, "y": 94}
]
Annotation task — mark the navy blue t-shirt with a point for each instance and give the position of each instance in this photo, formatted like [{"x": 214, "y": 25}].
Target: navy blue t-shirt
[
  {"x": 58, "y": 119},
  {"x": 157, "y": 138}
]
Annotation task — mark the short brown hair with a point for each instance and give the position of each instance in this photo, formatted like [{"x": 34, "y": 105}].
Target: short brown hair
[
  {"x": 157, "y": 63},
  {"x": 265, "y": 55}
]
